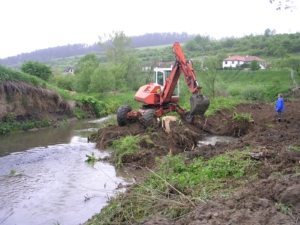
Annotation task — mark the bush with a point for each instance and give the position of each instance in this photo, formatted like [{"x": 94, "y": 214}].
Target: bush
[
  {"x": 98, "y": 107},
  {"x": 64, "y": 82},
  {"x": 37, "y": 69}
]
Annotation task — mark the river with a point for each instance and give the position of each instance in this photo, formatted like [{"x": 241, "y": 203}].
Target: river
[{"x": 44, "y": 179}]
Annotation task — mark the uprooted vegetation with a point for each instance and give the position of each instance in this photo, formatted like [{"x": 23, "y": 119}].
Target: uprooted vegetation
[{"x": 253, "y": 180}]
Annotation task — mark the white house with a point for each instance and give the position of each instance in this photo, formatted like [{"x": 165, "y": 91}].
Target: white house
[{"x": 237, "y": 60}]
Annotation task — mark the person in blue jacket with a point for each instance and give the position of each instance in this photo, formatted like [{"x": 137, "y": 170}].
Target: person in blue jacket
[{"x": 279, "y": 106}]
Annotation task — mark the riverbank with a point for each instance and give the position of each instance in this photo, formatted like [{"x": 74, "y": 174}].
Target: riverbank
[{"x": 253, "y": 180}]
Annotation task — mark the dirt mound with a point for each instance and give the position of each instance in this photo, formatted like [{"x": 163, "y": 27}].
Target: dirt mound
[
  {"x": 263, "y": 202},
  {"x": 183, "y": 137},
  {"x": 271, "y": 198},
  {"x": 24, "y": 101}
]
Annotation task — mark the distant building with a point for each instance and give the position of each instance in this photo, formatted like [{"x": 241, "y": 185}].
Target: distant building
[
  {"x": 158, "y": 65},
  {"x": 69, "y": 70},
  {"x": 237, "y": 61}
]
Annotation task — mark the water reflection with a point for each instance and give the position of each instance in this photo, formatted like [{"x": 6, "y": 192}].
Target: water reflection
[
  {"x": 48, "y": 136},
  {"x": 52, "y": 183}
]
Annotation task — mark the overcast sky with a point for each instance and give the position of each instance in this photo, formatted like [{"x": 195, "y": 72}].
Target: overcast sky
[{"x": 28, "y": 25}]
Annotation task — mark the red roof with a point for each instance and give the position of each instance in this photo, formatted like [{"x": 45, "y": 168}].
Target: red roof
[{"x": 247, "y": 58}]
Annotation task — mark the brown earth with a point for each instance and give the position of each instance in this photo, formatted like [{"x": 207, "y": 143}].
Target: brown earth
[
  {"x": 23, "y": 101},
  {"x": 273, "y": 198}
]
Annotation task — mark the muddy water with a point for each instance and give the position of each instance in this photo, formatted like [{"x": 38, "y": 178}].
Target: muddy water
[
  {"x": 212, "y": 140},
  {"x": 44, "y": 178}
]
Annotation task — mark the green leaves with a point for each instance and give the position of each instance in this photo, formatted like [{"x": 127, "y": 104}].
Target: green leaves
[
  {"x": 37, "y": 69},
  {"x": 125, "y": 146},
  {"x": 185, "y": 176}
]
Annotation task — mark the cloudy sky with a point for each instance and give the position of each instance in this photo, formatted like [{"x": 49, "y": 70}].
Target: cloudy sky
[{"x": 28, "y": 25}]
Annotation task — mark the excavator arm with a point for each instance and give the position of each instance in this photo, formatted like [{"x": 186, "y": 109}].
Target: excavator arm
[{"x": 199, "y": 103}]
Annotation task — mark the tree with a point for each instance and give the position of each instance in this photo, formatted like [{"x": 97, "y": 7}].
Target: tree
[
  {"x": 123, "y": 62},
  {"x": 211, "y": 65},
  {"x": 117, "y": 47},
  {"x": 84, "y": 69},
  {"x": 102, "y": 80},
  {"x": 37, "y": 69},
  {"x": 269, "y": 32}
]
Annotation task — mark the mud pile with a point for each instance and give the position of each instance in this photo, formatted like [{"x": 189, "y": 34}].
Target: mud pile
[{"x": 272, "y": 198}]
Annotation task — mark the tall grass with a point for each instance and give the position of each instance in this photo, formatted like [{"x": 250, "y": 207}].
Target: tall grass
[
  {"x": 261, "y": 85},
  {"x": 124, "y": 146},
  {"x": 176, "y": 188},
  {"x": 7, "y": 74}
]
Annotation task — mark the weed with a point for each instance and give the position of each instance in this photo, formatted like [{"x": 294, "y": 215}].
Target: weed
[
  {"x": 176, "y": 187},
  {"x": 79, "y": 113},
  {"x": 10, "y": 125},
  {"x": 96, "y": 105},
  {"x": 220, "y": 103},
  {"x": 124, "y": 146},
  {"x": 242, "y": 117},
  {"x": 91, "y": 159},
  {"x": 294, "y": 148},
  {"x": 285, "y": 209}
]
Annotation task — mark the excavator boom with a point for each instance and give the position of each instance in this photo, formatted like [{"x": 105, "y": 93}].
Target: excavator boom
[{"x": 199, "y": 103}]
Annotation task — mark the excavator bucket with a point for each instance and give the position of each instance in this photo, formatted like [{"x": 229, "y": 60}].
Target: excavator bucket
[{"x": 199, "y": 104}]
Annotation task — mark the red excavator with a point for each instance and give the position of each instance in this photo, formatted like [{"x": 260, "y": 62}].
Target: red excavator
[{"x": 158, "y": 98}]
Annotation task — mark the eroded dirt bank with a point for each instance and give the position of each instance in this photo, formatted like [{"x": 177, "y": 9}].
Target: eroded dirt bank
[
  {"x": 274, "y": 144},
  {"x": 23, "y": 101}
]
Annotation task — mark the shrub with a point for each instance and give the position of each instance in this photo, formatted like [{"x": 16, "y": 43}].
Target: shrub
[
  {"x": 98, "y": 107},
  {"x": 37, "y": 69}
]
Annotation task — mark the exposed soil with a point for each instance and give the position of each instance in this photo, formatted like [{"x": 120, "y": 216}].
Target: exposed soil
[
  {"x": 273, "y": 198},
  {"x": 23, "y": 101}
]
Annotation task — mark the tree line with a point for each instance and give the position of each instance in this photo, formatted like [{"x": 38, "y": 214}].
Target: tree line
[
  {"x": 122, "y": 69},
  {"x": 46, "y": 55}
]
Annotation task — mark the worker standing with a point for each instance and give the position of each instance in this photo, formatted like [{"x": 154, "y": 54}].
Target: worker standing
[{"x": 279, "y": 107}]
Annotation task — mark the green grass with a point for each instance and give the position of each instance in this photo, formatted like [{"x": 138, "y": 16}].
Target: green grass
[
  {"x": 294, "y": 148},
  {"x": 221, "y": 103},
  {"x": 7, "y": 74},
  {"x": 124, "y": 146},
  {"x": 176, "y": 187},
  {"x": 242, "y": 117},
  {"x": 7, "y": 127},
  {"x": 262, "y": 85},
  {"x": 113, "y": 101}
]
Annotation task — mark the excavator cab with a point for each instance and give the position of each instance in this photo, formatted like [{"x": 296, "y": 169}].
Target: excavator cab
[{"x": 160, "y": 76}]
